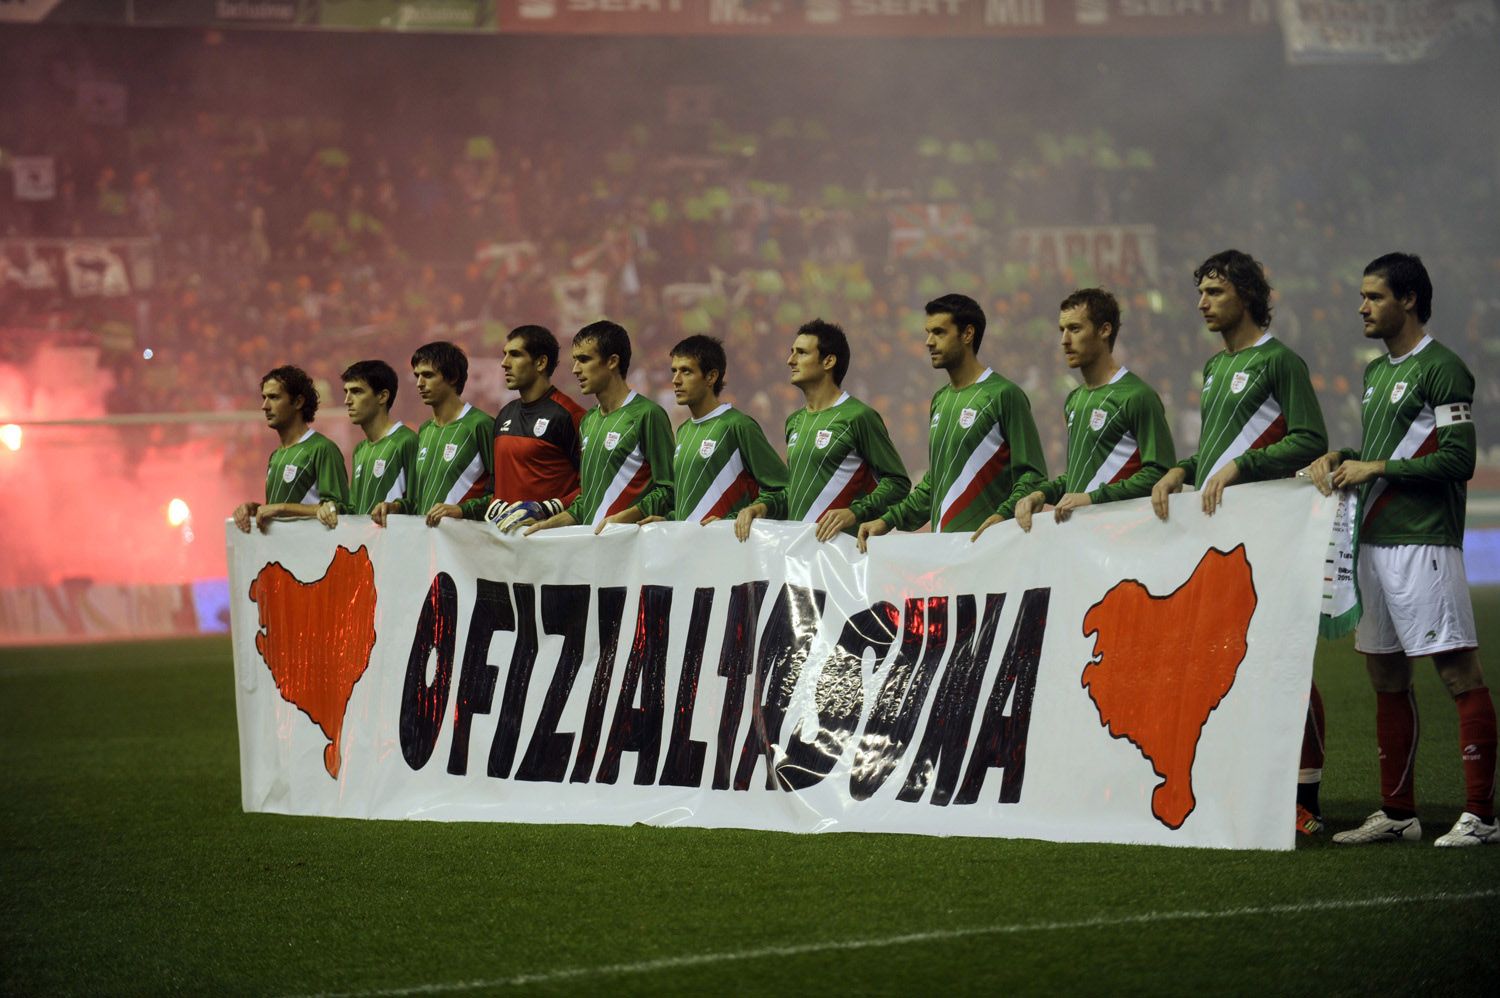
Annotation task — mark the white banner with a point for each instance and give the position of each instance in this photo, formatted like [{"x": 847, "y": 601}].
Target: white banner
[
  {"x": 1377, "y": 30},
  {"x": 1113, "y": 678}
]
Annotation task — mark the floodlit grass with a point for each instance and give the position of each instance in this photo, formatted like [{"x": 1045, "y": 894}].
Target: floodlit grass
[{"x": 129, "y": 867}]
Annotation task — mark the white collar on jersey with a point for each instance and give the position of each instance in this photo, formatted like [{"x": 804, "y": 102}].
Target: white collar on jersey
[
  {"x": 310, "y": 432},
  {"x": 721, "y": 410},
  {"x": 462, "y": 412},
  {"x": 843, "y": 397},
  {"x": 1265, "y": 337},
  {"x": 395, "y": 425},
  {"x": 984, "y": 374},
  {"x": 1412, "y": 352},
  {"x": 1118, "y": 374}
]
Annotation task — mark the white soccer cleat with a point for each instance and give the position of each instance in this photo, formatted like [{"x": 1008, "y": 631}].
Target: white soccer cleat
[
  {"x": 1470, "y": 830},
  {"x": 1378, "y": 827}
]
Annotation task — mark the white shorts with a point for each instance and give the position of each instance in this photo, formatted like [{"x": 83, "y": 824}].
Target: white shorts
[{"x": 1416, "y": 601}]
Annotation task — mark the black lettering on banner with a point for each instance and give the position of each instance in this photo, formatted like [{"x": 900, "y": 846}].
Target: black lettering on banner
[
  {"x": 638, "y": 729},
  {"x": 565, "y": 611},
  {"x": 735, "y": 659},
  {"x": 683, "y": 766},
  {"x": 611, "y": 610},
  {"x": 423, "y": 706},
  {"x": 476, "y": 683},
  {"x": 945, "y": 741},
  {"x": 840, "y": 697},
  {"x": 1001, "y": 742},
  {"x": 898, "y": 706},
  {"x": 517, "y": 681},
  {"x": 783, "y": 649}
]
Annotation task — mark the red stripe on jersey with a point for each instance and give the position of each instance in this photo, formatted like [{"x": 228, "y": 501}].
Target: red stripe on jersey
[
  {"x": 1131, "y": 467},
  {"x": 631, "y": 492},
  {"x": 992, "y": 468},
  {"x": 743, "y": 487},
  {"x": 861, "y": 483},
  {"x": 1272, "y": 433},
  {"x": 1391, "y": 490}
]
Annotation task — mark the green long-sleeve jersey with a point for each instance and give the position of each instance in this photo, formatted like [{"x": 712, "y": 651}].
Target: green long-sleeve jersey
[
  {"x": 381, "y": 468},
  {"x": 626, "y": 461},
  {"x": 721, "y": 464},
  {"x": 453, "y": 465},
  {"x": 839, "y": 457},
  {"x": 1418, "y": 419},
  {"x": 1259, "y": 411},
  {"x": 983, "y": 453},
  {"x": 309, "y": 471},
  {"x": 1118, "y": 441}
]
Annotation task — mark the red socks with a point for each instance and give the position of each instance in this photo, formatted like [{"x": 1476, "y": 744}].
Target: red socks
[
  {"x": 1396, "y": 735},
  {"x": 1312, "y": 739},
  {"x": 1476, "y": 741}
]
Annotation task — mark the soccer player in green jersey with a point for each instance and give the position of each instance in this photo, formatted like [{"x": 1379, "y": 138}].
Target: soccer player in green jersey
[
  {"x": 1411, "y": 469},
  {"x": 842, "y": 467},
  {"x": 722, "y": 460},
  {"x": 307, "y": 470},
  {"x": 450, "y": 475},
  {"x": 983, "y": 450},
  {"x": 626, "y": 469},
  {"x": 1261, "y": 420},
  {"x": 1118, "y": 441},
  {"x": 382, "y": 460}
]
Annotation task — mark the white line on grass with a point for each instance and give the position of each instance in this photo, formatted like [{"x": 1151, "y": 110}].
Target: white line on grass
[{"x": 936, "y": 935}]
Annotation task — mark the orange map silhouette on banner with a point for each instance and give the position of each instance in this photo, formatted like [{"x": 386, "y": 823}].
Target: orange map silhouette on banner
[
  {"x": 1163, "y": 663},
  {"x": 316, "y": 638}
]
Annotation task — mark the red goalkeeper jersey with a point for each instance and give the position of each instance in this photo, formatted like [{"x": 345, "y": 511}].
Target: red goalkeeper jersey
[{"x": 536, "y": 449}]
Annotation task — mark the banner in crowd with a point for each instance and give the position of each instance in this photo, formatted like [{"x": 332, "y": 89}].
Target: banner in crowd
[
  {"x": 931, "y": 231},
  {"x": 1116, "y": 254},
  {"x": 106, "y": 267},
  {"x": 1377, "y": 30},
  {"x": 1114, "y": 678},
  {"x": 34, "y": 177}
]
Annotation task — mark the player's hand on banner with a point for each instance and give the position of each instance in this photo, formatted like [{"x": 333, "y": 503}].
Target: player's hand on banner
[
  {"x": 328, "y": 513},
  {"x": 651, "y": 519},
  {"x": 1320, "y": 472},
  {"x": 989, "y": 522},
  {"x": 631, "y": 515},
  {"x": 835, "y": 522},
  {"x": 563, "y": 519},
  {"x": 1213, "y": 489},
  {"x": 525, "y": 513},
  {"x": 868, "y": 529},
  {"x": 709, "y": 519},
  {"x": 1352, "y": 473},
  {"x": 1165, "y": 486},
  {"x": 495, "y": 512},
  {"x": 747, "y": 516},
  {"x": 1027, "y": 505},
  {"x": 244, "y": 515},
  {"x": 1068, "y": 503},
  {"x": 381, "y": 511},
  {"x": 441, "y": 511},
  {"x": 265, "y": 514}
]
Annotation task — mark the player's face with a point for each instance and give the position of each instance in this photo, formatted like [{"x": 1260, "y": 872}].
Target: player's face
[
  {"x": 431, "y": 385},
  {"x": 1082, "y": 342},
  {"x": 946, "y": 345},
  {"x": 361, "y": 402},
  {"x": 277, "y": 404},
  {"x": 689, "y": 384},
  {"x": 805, "y": 361},
  {"x": 519, "y": 366},
  {"x": 1383, "y": 312},
  {"x": 591, "y": 370},
  {"x": 1219, "y": 303}
]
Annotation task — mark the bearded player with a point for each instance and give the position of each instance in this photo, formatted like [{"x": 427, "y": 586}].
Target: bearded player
[
  {"x": 383, "y": 459},
  {"x": 1411, "y": 469},
  {"x": 626, "y": 469},
  {"x": 982, "y": 446},
  {"x": 722, "y": 460},
  {"x": 536, "y": 435},
  {"x": 842, "y": 467},
  {"x": 450, "y": 476},
  {"x": 1261, "y": 420},
  {"x": 307, "y": 470},
  {"x": 1118, "y": 441}
]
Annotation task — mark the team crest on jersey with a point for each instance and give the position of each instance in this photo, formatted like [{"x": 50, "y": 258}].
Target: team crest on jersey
[
  {"x": 706, "y": 448},
  {"x": 1239, "y": 381},
  {"x": 791, "y": 441},
  {"x": 1368, "y": 392},
  {"x": 379, "y": 468},
  {"x": 540, "y": 426},
  {"x": 450, "y": 451},
  {"x": 1397, "y": 391},
  {"x": 966, "y": 417},
  {"x": 1097, "y": 419},
  {"x": 289, "y": 473},
  {"x": 823, "y": 439},
  {"x": 935, "y": 417},
  {"x": 611, "y": 439}
]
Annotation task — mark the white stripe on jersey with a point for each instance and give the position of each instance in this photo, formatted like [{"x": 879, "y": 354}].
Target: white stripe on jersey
[
  {"x": 983, "y": 452},
  {"x": 1257, "y": 424},
  {"x": 1118, "y": 458},
  {"x": 312, "y": 498},
  {"x": 617, "y": 485},
  {"x": 716, "y": 489},
  {"x": 398, "y": 489},
  {"x": 1416, "y": 434},
  {"x": 842, "y": 476},
  {"x": 465, "y": 481}
]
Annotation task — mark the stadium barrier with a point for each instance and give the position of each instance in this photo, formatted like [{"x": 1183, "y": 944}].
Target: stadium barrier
[{"x": 1113, "y": 678}]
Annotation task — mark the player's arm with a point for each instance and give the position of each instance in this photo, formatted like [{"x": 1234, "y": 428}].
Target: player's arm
[
  {"x": 893, "y": 483},
  {"x": 244, "y": 515},
  {"x": 1306, "y": 437},
  {"x": 1148, "y": 424},
  {"x": 656, "y": 444},
  {"x": 1028, "y": 463},
  {"x": 1450, "y": 391},
  {"x": 284, "y": 511},
  {"x": 484, "y": 439},
  {"x": 563, "y": 519},
  {"x": 761, "y": 459}
]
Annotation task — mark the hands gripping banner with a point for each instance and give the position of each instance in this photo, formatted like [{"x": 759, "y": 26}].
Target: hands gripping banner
[{"x": 1113, "y": 678}]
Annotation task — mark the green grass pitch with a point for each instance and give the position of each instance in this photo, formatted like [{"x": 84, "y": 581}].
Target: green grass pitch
[{"x": 128, "y": 867}]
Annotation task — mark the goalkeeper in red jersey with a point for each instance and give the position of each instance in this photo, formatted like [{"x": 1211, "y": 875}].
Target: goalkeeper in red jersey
[{"x": 307, "y": 470}]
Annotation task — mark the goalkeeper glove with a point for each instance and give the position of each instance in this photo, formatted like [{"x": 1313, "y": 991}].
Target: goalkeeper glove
[
  {"x": 497, "y": 511},
  {"x": 526, "y": 512}
]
